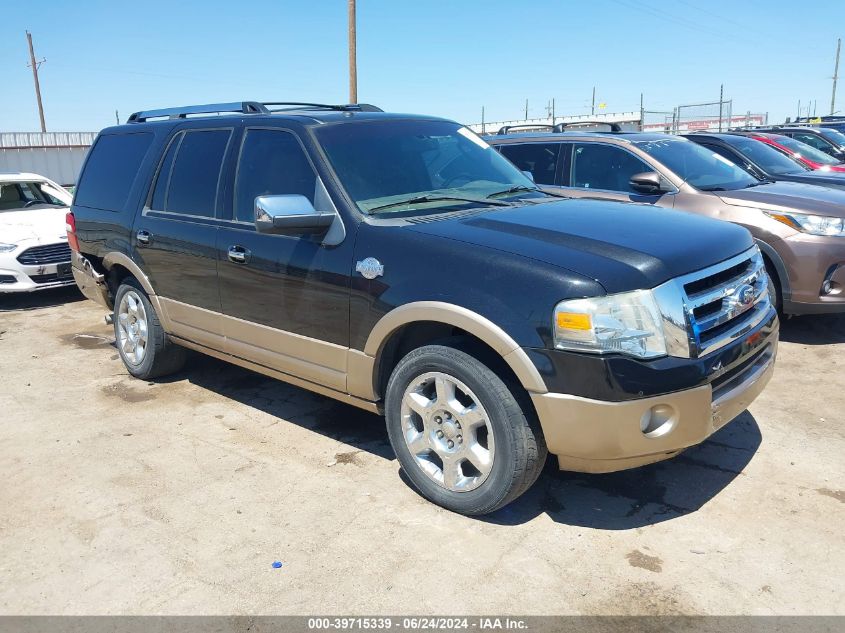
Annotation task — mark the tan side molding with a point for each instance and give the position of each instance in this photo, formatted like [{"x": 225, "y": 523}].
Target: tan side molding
[
  {"x": 123, "y": 260},
  {"x": 467, "y": 320}
]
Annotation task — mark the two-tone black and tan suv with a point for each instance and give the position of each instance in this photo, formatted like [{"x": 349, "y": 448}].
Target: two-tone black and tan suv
[{"x": 399, "y": 264}]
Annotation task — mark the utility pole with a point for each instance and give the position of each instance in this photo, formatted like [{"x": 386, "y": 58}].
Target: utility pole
[
  {"x": 835, "y": 76},
  {"x": 526, "y": 109},
  {"x": 593, "y": 107},
  {"x": 553, "y": 112},
  {"x": 35, "y": 65},
  {"x": 483, "y": 131},
  {"x": 642, "y": 113},
  {"x": 116, "y": 118},
  {"x": 721, "y": 100},
  {"x": 353, "y": 56}
]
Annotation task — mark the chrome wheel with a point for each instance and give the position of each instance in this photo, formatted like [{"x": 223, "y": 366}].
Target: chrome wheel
[
  {"x": 132, "y": 328},
  {"x": 447, "y": 431}
]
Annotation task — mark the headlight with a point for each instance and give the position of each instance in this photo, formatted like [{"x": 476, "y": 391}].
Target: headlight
[
  {"x": 627, "y": 323},
  {"x": 812, "y": 224},
  {"x": 7, "y": 248}
]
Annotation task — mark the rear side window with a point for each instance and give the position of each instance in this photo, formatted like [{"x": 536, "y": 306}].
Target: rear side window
[
  {"x": 111, "y": 170},
  {"x": 272, "y": 162},
  {"x": 538, "y": 158},
  {"x": 189, "y": 176}
]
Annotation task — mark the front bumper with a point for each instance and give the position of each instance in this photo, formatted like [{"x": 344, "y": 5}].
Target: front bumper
[
  {"x": 16, "y": 277},
  {"x": 598, "y": 436},
  {"x": 814, "y": 262}
]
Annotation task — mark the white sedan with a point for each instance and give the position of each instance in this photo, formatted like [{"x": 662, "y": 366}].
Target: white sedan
[{"x": 34, "y": 252}]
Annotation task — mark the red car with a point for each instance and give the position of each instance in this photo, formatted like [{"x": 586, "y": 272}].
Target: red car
[{"x": 799, "y": 152}]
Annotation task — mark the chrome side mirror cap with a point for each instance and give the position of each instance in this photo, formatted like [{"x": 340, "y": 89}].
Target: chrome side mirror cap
[{"x": 289, "y": 214}]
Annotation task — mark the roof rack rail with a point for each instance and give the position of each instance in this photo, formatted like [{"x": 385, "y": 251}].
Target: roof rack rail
[
  {"x": 534, "y": 126},
  {"x": 242, "y": 107},
  {"x": 614, "y": 126},
  {"x": 298, "y": 105}
]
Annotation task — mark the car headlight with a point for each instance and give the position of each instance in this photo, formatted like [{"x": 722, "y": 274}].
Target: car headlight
[
  {"x": 811, "y": 224},
  {"x": 627, "y": 323},
  {"x": 7, "y": 248}
]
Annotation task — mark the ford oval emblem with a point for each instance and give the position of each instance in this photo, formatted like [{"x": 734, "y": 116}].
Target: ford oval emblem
[{"x": 746, "y": 295}]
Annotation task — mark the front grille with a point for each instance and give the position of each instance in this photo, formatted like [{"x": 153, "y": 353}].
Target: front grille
[
  {"x": 47, "y": 254},
  {"x": 725, "y": 301},
  {"x": 50, "y": 278}
]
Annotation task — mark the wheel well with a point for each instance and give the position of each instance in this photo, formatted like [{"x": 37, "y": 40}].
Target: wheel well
[
  {"x": 115, "y": 276},
  {"x": 418, "y": 334}
]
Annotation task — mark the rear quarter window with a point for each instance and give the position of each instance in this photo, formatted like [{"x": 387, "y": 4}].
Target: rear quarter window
[{"x": 111, "y": 170}]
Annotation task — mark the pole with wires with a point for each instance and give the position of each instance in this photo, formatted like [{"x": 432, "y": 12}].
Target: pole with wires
[{"x": 35, "y": 66}]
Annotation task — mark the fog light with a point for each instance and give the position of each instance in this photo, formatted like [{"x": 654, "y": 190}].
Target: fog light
[
  {"x": 658, "y": 420},
  {"x": 826, "y": 288}
]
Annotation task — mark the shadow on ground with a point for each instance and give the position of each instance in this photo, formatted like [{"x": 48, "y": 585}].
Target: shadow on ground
[
  {"x": 23, "y": 301},
  {"x": 813, "y": 329},
  {"x": 642, "y": 496},
  {"x": 342, "y": 422}
]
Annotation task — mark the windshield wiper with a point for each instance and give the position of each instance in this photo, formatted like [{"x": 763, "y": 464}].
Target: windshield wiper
[
  {"x": 514, "y": 189},
  {"x": 421, "y": 199}
]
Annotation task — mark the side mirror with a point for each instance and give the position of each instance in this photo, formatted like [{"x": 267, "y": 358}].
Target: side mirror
[
  {"x": 528, "y": 175},
  {"x": 289, "y": 214},
  {"x": 647, "y": 182}
]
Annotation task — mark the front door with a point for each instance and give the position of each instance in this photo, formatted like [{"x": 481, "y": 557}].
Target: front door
[{"x": 285, "y": 298}]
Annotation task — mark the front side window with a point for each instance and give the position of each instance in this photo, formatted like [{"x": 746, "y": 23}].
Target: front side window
[
  {"x": 813, "y": 141},
  {"x": 802, "y": 150},
  {"x": 698, "y": 166},
  {"x": 540, "y": 159},
  {"x": 189, "y": 175},
  {"x": 605, "y": 167},
  {"x": 770, "y": 159},
  {"x": 272, "y": 163},
  {"x": 408, "y": 166}
]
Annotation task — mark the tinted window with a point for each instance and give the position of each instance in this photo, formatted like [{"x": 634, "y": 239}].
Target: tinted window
[
  {"x": 538, "y": 158},
  {"x": 813, "y": 141},
  {"x": 771, "y": 160},
  {"x": 800, "y": 149},
  {"x": 163, "y": 177},
  {"x": 272, "y": 162},
  {"x": 724, "y": 151},
  {"x": 597, "y": 166},
  {"x": 196, "y": 173},
  {"x": 697, "y": 166},
  {"x": 396, "y": 163},
  {"x": 111, "y": 169}
]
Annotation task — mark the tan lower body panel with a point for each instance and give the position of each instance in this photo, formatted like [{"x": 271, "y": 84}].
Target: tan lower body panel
[
  {"x": 312, "y": 361},
  {"x": 293, "y": 380},
  {"x": 598, "y": 437}
]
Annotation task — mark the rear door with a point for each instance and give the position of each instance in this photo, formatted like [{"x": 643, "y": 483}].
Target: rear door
[
  {"x": 176, "y": 235},
  {"x": 285, "y": 298}
]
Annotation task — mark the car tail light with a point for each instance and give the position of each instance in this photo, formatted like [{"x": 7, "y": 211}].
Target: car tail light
[{"x": 70, "y": 225}]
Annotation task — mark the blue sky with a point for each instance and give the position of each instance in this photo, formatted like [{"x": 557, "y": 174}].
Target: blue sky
[{"x": 429, "y": 56}]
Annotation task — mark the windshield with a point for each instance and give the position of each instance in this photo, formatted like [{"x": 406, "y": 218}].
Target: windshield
[
  {"x": 400, "y": 166},
  {"x": 700, "y": 167},
  {"x": 15, "y": 196},
  {"x": 833, "y": 135},
  {"x": 802, "y": 150},
  {"x": 766, "y": 156}
]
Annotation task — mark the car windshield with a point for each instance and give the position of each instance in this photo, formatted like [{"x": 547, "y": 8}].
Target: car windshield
[
  {"x": 802, "y": 150},
  {"x": 15, "y": 196},
  {"x": 833, "y": 135},
  {"x": 700, "y": 167},
  {"x": 766, "y": 156},
  {"x": 398, "y": 166}
]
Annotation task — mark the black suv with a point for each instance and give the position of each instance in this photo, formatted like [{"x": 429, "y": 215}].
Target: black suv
[{"x": 400, "y": 264}]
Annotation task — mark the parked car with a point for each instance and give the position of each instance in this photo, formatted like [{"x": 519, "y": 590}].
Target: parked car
[
  {"x": 827, "y": 140},
  {"x": 34, "y": 253},
  {"x": 833, "y": 122},
  {"x": 798, "y": 227},
  {"x": 399, "y": 264},
  {"x": 763, "y": 161},
  {"x": 798, "y": 151}
]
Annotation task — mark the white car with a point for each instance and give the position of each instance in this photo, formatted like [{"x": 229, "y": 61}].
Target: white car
[{"x": 34, "y": 252}]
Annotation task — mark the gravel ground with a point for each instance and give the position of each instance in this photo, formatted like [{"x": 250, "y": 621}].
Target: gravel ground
[{"x": 121, "y": 496}]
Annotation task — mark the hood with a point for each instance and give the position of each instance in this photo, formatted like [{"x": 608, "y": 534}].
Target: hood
[
  {"x": 789, "y": 196},
  {"x": 38, "y": 225},
  {"x": 622, "y": 246},
  {"x": 829, "y": 179}
]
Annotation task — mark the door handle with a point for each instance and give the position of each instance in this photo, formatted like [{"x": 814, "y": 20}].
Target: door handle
[
  {"x": 143, "y": 237},
  {"x": 238, "y": 254}
]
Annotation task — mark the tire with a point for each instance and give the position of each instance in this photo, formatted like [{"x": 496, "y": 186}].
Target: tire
[
  {"x": 152, "y": 356},
  {"x": 503, "y": 451}
]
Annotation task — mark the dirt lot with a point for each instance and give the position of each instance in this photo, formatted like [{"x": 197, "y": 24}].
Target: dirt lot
[{"x": 121, "y": 496}]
